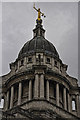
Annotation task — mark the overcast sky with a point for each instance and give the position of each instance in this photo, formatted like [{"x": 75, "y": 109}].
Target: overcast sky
[{"x": 61, "y": 25}]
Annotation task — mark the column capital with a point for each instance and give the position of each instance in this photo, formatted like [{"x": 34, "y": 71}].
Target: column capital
[
  {"x": 30, "y": 79},
  {"x": 39, "y": 73},
  {"x": 20, "y": 82}
]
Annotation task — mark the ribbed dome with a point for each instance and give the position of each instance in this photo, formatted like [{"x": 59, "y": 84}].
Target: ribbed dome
[{"x": 38, "y": 44}]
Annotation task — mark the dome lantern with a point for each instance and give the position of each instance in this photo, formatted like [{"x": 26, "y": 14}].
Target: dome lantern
[{"x": 39, "y": 31}]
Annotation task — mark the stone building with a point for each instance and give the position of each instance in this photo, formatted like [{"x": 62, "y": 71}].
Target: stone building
[{"x": 38, "y": 86}]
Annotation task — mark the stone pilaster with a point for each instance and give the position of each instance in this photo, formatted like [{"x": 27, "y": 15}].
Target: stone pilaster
[
  {"x": 68, "y": 102},
  {"x": 77, "y": 104},
  {"x": 4, "y": 104},
  {"x": 64, "y": 95},
  {"x": 42, "y": 86},
  {"x": 12, "y": 97},
  {"x": 47, "y": 90},
  {"x": 57, "y": 94},
  {"x": 19, "y": 93},
  {"x": 30, "y": 89},
  {"x": 7, "y": 100},
  {"x": 36, "y": 86},
  {"x": 44, "y": 59}
]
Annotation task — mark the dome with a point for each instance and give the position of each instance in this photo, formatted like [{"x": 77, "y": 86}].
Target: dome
[{"x": 38, "y": 44}]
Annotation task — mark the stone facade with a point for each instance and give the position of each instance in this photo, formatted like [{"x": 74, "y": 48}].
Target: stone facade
[{"x": 38, "y": 86}]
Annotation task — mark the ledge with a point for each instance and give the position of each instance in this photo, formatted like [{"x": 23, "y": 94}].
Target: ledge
[{"x": 42, "y": 104}]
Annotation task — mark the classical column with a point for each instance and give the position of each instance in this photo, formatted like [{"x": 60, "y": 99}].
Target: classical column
[
  {"x": 42, "y": 86},
  {"x": 19, "y": 93},
  {"x": 77, "y": 103},
  {"x": 57, "y": 94},
  {"x": 4, "y": 101},
  {"x": 68, "y": 102},
  {"x": 12, "y": 97},
  {"x": 7, "y": 100},
  {"x": 47, "y": 90},
  {"x": 36, "y": 86},
  {"x": 30, "y": 89},
  {"x": 64, "y": 95}
]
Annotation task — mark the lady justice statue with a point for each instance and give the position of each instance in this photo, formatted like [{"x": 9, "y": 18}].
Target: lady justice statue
[{"x": 39, "y": 13}]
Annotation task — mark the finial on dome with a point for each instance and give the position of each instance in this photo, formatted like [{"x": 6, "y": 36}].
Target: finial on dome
[
  {"x": 39, "y": 22},
  {"x": 39, "y": 13}
]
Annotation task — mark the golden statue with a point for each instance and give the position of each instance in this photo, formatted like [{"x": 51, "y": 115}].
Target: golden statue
[{"x": 39, "y": 12}]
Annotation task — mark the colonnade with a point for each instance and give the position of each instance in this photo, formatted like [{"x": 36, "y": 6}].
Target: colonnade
[
  {"x": 39, "y": 92},
  {"x": 58, "y": 96}
]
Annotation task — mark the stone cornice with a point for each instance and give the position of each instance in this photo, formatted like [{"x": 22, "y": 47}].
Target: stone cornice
[
  {"x": 42, "y": 67},
  {"x": 47, "y": 103},
  {"x": 18, "y": 75},
  {"x": 53, "y": 73}
]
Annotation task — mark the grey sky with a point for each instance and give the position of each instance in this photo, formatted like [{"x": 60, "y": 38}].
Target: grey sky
[{"x": 61, "y": 25}]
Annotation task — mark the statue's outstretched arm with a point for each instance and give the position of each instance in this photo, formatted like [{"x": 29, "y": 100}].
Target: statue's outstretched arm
[
  {"x": 42, "y": 14},
  {"x": 35, "y": 8}
]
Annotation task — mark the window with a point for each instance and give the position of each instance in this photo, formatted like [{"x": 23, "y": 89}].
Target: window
[
  {"x": 60, "y": 68},
  {"x": 29, "y": 59},
  {"x": 2, "y": 103},
  {"x": 54, "y": 90},
  {"x": 73, "y": 104},
  {"x": 48, "y": 60},
  {"x": 55, "y": 63},
  {"x": 39, "y": 57}
]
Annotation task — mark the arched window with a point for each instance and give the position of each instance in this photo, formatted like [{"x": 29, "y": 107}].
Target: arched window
[
  {"x": 55, "y": 63},
  {"x": 73, "y": 104},
  {"x": 2, "y": 102}
]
